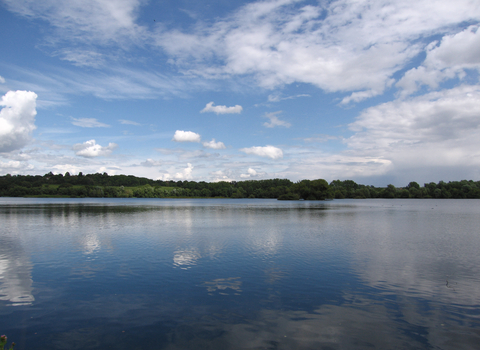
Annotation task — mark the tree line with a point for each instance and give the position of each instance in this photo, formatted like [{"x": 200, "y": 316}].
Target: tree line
[{"x": 125, "y": 186}]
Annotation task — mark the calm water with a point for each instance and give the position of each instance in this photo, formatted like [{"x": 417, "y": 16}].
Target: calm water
[{"x": 240, "y": 274}]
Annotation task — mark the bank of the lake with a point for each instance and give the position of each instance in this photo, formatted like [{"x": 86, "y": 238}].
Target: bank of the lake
[{"x": 121, "y": 186}]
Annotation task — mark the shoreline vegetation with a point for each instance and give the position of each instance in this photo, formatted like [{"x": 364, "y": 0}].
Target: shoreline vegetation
[{"x": 129, "y": 186}]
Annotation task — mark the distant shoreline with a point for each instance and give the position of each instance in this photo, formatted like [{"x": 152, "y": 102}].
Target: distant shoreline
[{"x": 122, "y": 186}]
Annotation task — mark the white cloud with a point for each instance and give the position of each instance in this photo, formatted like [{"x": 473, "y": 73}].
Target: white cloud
[
  {"x": 267, "y": 151},
  {"x": 17, "y": 119},
  {"x": 315, "y": 165},
  {"x": 15, "y": 167},
  {"x": 186, "y": 136},
  {"x": 445, "y": 60},
  {"x": 2, "y": 80},
  {"x": 274, "y": 121},
  {"x": 363, "y": 95},
  {"x": 103, "y": 21},
  {"x": 128, "y": 122},
  {"x": 89, "y": 123},
  {"x": 90, "y": 149},
  {"x": 63, "y": 168},
  {"x": 339, "y": 46},
  {"x": 251, "y": 173},
  {"x": 164, "y": 177},
  {"x": 12, "y": 164},
  {"x": 221, "y": 109},
  {"x": 214, "y": 145},
  {"x": 461, "y": 50},
  {"x": 277, "y": 97},
  {"x": 221, "y": 175},
  {"x": 82, "y": 57},
  {"x": 186, "y": 173},
  {"x": 437, "y": 130}
]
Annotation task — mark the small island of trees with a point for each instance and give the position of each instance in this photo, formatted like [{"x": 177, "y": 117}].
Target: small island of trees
[{"x": 129, "y": 186}]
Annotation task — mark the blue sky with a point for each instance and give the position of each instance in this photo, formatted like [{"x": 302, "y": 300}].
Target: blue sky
[{"x": 375, "y": 91}]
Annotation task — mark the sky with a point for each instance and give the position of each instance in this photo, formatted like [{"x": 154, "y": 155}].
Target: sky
[{"x": 380, "y": 92}]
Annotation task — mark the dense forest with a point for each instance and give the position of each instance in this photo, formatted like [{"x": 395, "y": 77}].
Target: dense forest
[{"x": 104, "y": 185}]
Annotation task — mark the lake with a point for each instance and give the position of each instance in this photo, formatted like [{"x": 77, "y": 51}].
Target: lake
[{"x": 240, "y": 274}]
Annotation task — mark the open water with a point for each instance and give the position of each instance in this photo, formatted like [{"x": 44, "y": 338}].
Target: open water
[{"x": 240, "y": 274}]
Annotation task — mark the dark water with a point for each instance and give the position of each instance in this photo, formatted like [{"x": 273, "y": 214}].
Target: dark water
[{"x": 240, "y": 274}]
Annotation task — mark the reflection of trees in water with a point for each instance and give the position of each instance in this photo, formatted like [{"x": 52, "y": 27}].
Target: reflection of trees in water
[{"x": 15, "y": 273}]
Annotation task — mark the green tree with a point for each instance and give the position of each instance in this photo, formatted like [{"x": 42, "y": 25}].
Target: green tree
[
  {"x": 413, "y": 184},
  {"x": 390, "y": 192},
  {"x": 313, "y": 189}
]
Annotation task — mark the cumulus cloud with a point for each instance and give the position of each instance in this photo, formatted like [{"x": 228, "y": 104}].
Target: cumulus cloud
[
  {"x": 186, "y": 136},
  {"x": 89, "y": 123},
  {"x": 2, "y": 80},
  {"x": 439, "y": 129},
  {"x": 17, "y": 119},
  {"x": 15, "y": 167},
  {"x": 63, "y": 168},
  {"x": 222, "y": 175},
  {"x": 221, "y": 109},
  {"x": 251, "y": 173},
  {"x": 214, "y": 145},
  {"x": 274, "y": 121},
  {"x": 90, "y": 149},
  {"x": 185, "y": 174},
  {"x": 445, "y": 60},
  {"x": 267, "y": 151},
  {"x": 460, "y": 50},
  {"x": 12, "y": 164}
]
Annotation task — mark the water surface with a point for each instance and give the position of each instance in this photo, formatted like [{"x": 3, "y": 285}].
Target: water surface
[{"x": 240, "y": 274}]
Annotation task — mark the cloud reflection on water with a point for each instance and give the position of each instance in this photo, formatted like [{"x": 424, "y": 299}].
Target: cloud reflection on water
[
  {"x": 15, "y": 273},
  {"x": 358, "y": 323},
  {"x": 365, "y": 324},
  {"x": 430, "y": 254},
  {"x": 185, "y": 259},
  {"x": 222, "y": 285},
  {"x": 91, "y": 243}
]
